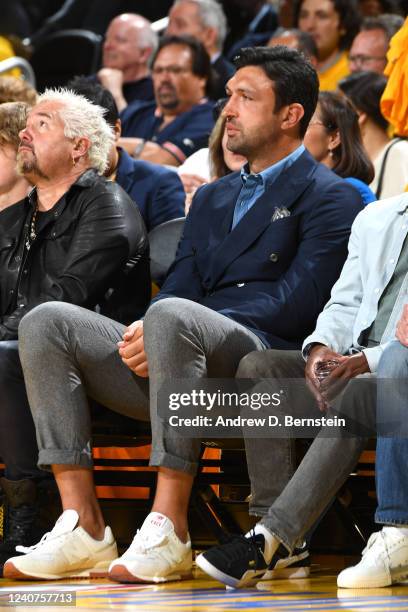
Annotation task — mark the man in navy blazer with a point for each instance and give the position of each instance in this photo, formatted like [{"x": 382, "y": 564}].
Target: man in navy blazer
[{"x": 260, "y": 252}]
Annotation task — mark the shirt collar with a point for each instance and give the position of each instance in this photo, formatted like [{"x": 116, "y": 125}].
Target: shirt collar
[{"x": 270, "y": 174}]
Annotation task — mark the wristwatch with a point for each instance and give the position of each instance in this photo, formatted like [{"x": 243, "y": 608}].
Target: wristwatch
[{"x": 139, "y": 148}]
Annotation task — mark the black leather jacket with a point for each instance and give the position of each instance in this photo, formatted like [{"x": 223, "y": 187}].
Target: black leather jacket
[{"x": 91, "y": 250}]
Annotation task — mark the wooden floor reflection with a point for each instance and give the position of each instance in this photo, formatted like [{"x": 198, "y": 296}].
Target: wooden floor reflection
[{"x": 317, "y": 593}]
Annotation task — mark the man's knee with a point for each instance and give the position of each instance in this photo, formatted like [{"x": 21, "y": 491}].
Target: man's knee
[
  {"x": 40, "y": 324},
  {"x": 166, "y": 313},
  {"x": 269, "y": 364},
  {"x": 394, "y": 361}
]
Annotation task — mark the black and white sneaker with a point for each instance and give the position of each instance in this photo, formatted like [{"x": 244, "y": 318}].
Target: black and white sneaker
[
  {"x": 284, "y": 567},
  {"x": 240, "y": 562}
]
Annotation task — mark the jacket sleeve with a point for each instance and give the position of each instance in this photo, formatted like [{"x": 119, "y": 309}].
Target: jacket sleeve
[
  {"x": 105, "y": 236},
  {"x": 334, "y": 327}
]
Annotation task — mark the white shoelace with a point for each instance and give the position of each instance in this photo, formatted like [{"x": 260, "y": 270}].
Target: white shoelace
[{"x": 143, "y": 543}]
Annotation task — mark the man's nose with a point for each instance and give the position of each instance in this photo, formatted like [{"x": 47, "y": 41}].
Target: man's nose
[{"x": 229, "y": 108}]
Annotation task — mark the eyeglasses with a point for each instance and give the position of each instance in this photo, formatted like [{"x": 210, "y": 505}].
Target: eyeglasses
[
  {"x": 365, "y": 59},
  {"x": 176, "y": 70}
]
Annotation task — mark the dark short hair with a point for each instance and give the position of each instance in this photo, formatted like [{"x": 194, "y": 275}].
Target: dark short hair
[
  {"x": 364, "y": 89},
  {"x": 201, "y": 63},
  {"x": 350, "y": 19},
  {"x": 388, "y": 23},
  {"x": 97, "y": 94},
  {"x": 350, "y": 158},
  {"x": 294, "y": 78}
]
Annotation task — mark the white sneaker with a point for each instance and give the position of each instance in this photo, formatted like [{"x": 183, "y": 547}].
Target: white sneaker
[
  {"x": 384, "y": 562},
  {"x": 155, "y": 555},
  {"x": 66, "y": 551}
]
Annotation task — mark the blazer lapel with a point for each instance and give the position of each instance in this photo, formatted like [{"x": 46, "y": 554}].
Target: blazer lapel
[{"x": 283, "y": 193}]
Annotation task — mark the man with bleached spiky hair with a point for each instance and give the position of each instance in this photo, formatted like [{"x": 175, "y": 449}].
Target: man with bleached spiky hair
[{"x": 73, "y": 238}]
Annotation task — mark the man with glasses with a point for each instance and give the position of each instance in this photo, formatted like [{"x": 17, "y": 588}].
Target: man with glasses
[
  {"x": 179, "y": 122},
  {"x": 369, "y": 48}
]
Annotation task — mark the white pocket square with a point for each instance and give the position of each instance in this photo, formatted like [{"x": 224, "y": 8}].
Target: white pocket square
[{"x": 280, "y": 213}]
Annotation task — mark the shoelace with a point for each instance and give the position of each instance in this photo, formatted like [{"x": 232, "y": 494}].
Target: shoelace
[
  {"x": 377, "y": 540},
  {"x": 47, "y": 537},
  {"x": 145, "y": 542},
  {"x": 236, "y": 545}
]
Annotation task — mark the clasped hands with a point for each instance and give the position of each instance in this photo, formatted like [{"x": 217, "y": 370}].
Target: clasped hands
[{"x": 131, "y": 349}]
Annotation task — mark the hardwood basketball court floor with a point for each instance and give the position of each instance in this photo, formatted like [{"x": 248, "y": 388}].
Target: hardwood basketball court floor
[{"x": 317, "y": 593}]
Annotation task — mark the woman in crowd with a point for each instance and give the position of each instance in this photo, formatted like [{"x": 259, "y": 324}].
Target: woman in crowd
[
  {"x": 333, "y": 24},
  {"x": 333, "y": 138},
  {"x": 13, "y": 186},
  {"x": 210, "y": 164},
  {"x": 388, "y": 155}
]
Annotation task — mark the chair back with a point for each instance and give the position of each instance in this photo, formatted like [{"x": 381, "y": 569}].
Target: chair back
[
  {"x": 62, "y": 55},
  {"x": 163, "y": 240}
]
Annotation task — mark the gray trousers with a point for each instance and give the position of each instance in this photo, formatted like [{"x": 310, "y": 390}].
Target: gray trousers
[
  {"x": 69, "y": 353},
  {"x": 290, "y": 511}
]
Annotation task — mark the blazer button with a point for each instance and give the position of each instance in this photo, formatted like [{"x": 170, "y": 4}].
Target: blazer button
[{"x": 273, "y": 257}]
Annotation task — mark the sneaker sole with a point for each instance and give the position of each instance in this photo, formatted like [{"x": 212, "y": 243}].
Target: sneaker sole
[
  {"x": 120, "y": 573},
  {"x": 250, "y": 578},
  {"x": 287, "y": 573},
  {"x": 12, "y": 572}
]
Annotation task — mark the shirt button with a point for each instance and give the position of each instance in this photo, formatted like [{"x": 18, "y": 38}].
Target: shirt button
[
  {"x": 11, "y": 291},
  {"x": 17, "y": 258},
  {"x": 53, "y": 235},
  {"x": 376, "y": 290},
  {"x": 273, "y": 257},
  {"x": 392, "y": 261}
]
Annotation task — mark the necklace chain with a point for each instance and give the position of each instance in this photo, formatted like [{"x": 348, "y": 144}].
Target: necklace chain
[{"x": 32, "y": 235}]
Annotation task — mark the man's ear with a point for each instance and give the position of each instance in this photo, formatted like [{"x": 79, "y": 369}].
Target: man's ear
[
  {"x": 292, "y": 116},
  {"x": 362, "y": 118},
  {"x": 209, "y": 38},
  {"x": 117, "y": 129},
  {"x": 145, "y": 54},
  {"x": 81, "y": 147}
]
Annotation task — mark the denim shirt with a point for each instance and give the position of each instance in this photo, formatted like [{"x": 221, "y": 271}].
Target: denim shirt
[
  {"x": 254, "y": 185},
  {"x": 375, "y": 244}
]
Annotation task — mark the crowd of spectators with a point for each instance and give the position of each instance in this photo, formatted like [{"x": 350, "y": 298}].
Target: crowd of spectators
[{"x": 262, "y": 126}]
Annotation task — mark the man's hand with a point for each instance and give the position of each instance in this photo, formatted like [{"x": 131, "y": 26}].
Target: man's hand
[
  {"x": 191, "y": 182},
  {"x": 131, "y": 349},
  {"x": 318, "y": 354},
  {"x": 112, "y": 79},
  {"x": 349, "y": 367},
  {"x": 402, "y": 327}
]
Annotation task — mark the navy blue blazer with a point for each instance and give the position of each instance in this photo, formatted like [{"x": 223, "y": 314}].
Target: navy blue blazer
[
  {"x": 274, "y": 277},
  {"x": 158, "y": 191}
]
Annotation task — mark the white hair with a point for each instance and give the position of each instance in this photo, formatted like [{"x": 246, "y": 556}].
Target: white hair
[
  {"x": 147, "y": 37},
  {"x": 82, "y": 119},
  {"x": 211, "y": 16}
]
